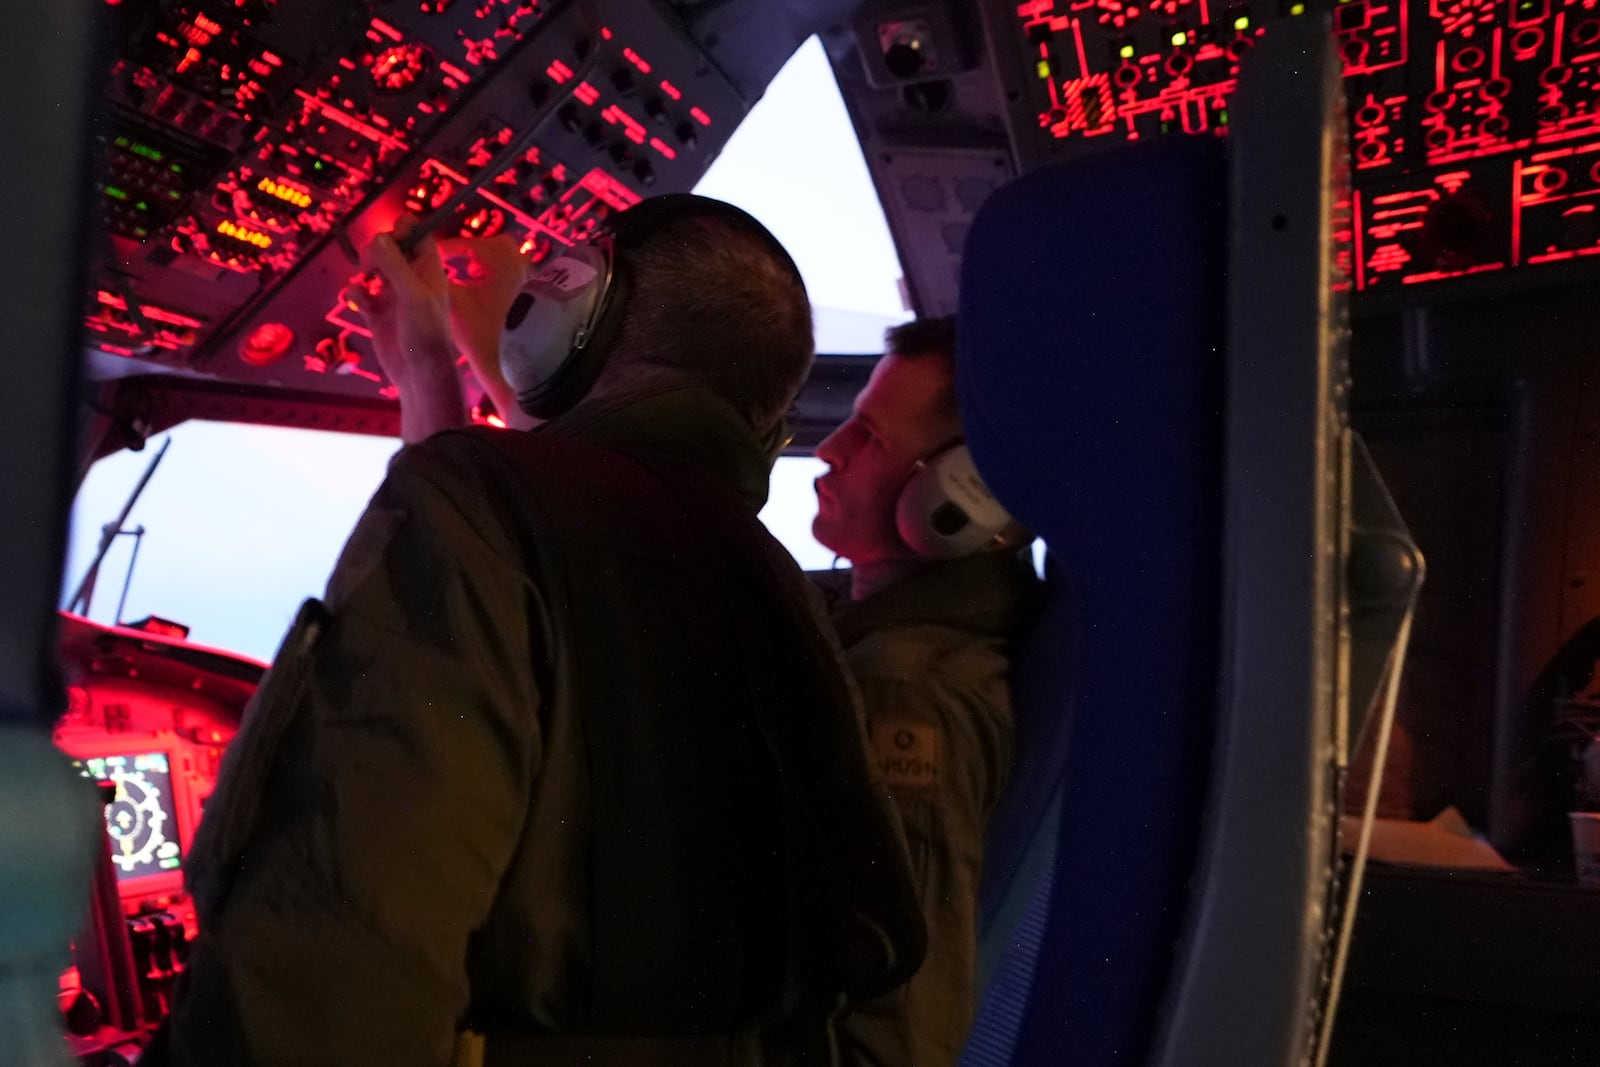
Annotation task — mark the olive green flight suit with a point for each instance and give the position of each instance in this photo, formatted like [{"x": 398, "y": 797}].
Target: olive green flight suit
[
  {"x": 568, "y": 757},
  {"x": 931, "y": 658}
]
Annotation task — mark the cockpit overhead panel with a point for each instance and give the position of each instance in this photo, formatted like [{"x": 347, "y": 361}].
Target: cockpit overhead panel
[
  {"x": 1474, "y": 124},
  {"x": 250, "y": 148}
]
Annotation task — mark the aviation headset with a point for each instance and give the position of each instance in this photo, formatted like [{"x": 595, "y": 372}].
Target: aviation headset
[
  {"x": 566, "y": 317},
  {"x": 945, "y": 510}
]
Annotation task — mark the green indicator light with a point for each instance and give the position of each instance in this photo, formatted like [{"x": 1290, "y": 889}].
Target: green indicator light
[
  {"x": 148, "y": 153},
  {"x": 115, "y": 193},
  {"x": 1223, "y": 118},
  {"x": 140, "y": 231},
  {"x": 174, "y": 195},
  {"x": 1126, "y": 52},
  {"x": 1180, "y": 38},
  {"x": 177, "y": 168},
  {"x": 121, "y": 142},
  {"x": 142, "y": 206},
  {"x": 1242, "y": 22}
]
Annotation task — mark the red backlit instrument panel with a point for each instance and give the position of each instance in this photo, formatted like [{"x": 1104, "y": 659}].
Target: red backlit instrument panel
[
  {"x": 250, "y": 146},
  {"x": 1474, "y": 124},
  {"x": 148, "y": 717}
]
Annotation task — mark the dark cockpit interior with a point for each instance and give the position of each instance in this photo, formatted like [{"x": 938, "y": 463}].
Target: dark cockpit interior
[{"x": 1151, "y": 265}]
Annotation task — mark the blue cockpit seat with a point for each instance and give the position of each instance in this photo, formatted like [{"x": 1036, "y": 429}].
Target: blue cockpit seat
[
  {"x": 1090, "y": 379},
  {"x": 1152, "y": 376}
]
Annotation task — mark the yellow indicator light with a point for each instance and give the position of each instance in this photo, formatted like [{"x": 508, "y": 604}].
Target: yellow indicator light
[
  {"x": 1127, "y": 51},
  {"x": 287, "y": 193},
  {"x": 1242, "y": 22},
  {"x": 1043, "y": 68},
  {"x": 244, "y": 233},
  {"x": 1298, "y": 9},
  {"x": 1180, "y": 38}
]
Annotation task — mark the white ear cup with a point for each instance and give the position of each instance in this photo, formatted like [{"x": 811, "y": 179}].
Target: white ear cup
[
  {"x": 551, "y": 317},
  {"x": 945, "y": 511}
]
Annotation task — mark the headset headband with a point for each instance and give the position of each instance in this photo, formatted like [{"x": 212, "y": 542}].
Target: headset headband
[
  {"x": 575, "y": 352},
  {"x": 629, "y": 228}
]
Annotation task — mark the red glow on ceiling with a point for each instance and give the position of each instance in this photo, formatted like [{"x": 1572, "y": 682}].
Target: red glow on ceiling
[
  {"x": 587, "y": 93},
  {"x": 700, "y": 116},
  {"x": 633, "y": 57},
  {"x": 671, "y": 90},
  {"x": 661, "y": 146},
  {"x": 559, "y": 72}
]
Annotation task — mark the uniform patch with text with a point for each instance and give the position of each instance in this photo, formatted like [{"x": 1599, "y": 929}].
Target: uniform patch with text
[{"x": 906, "y": 753}]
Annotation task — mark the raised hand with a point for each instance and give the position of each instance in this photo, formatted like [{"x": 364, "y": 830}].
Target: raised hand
[
  {"x": 407, "y": 305},
  {"x": 486, "y": 274}
]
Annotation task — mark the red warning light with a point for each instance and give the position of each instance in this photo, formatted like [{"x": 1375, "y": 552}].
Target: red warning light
[
  {"x": 397, "y": 69},
  {"x": 485, "y": 222},
  {"x": 266, "y": 344}
]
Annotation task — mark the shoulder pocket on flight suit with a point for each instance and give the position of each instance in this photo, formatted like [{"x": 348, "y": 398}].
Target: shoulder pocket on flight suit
[{"x": 233, "y": 809}]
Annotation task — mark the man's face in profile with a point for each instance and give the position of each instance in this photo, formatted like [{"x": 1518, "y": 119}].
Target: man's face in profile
[{"x": 905, "y": 412}]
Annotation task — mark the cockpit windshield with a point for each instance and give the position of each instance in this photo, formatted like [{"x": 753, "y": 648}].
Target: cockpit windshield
[{"x": 243, "y": 522}]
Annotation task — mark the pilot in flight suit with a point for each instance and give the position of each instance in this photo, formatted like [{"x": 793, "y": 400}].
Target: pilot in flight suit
[
  {"x": 567, "y": 759},
  {"x": 929, "y": 644}
]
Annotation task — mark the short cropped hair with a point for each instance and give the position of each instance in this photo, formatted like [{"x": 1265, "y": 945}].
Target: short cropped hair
[
  {"x": 712, "y": 301},
  {"x": 930, "y": 339},
  {"x": 923, "y": 337}
]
